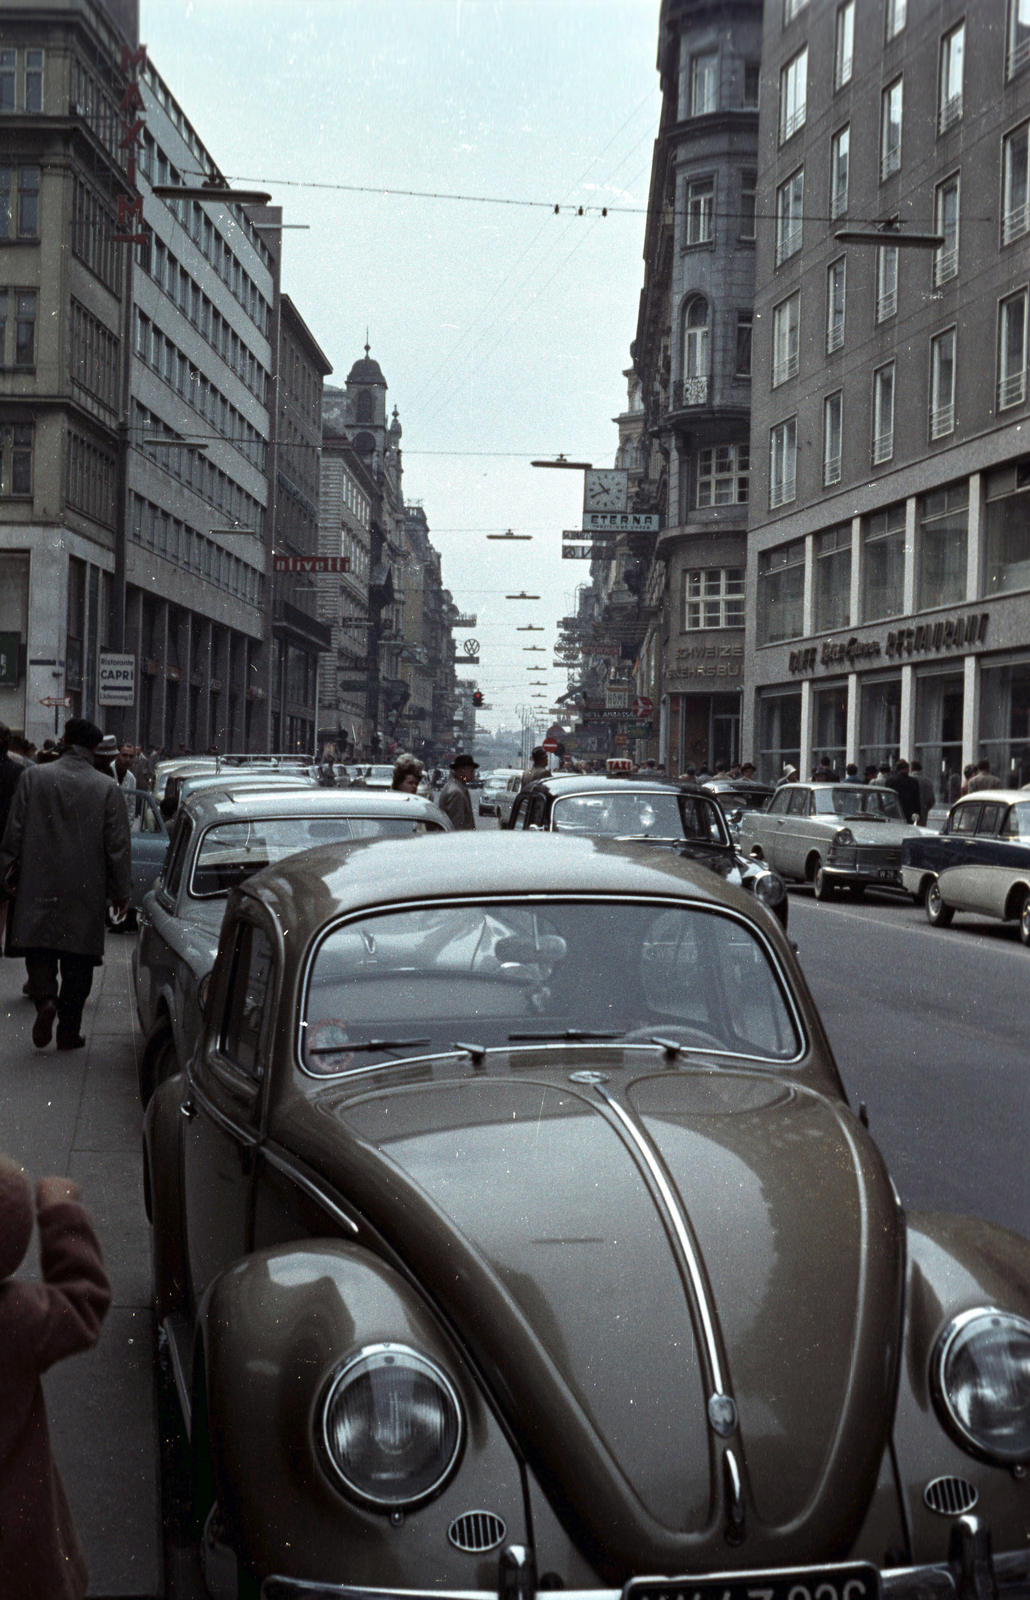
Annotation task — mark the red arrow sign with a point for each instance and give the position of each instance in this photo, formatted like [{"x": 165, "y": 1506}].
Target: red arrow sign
[{"x": 642, "y": 706}]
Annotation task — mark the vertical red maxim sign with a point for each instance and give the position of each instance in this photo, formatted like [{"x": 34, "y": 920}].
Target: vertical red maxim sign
[{"x": 133, "y": 116}]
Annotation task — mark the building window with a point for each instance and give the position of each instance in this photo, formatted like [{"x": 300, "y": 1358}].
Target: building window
[
  {"x": 1012, "y": 351},
  {"x": 942, "y": 384},
  {"x": 695, "y": 354},
  {"x": 833, "y": 579},
  {"x": 1007, "y": 543},
  {"x": 945, "y": 260},
  {"x": 953, "y": 47},
  {"x": 943, "y": 540},
  {"x": 786, "y": 339},
  {"x": 1015, "y": 220},
  {"x": 793, "y": 95},
  {"x": 890, "y": 129},
  {"x": 700, "y": 211},
  {"x": 33, "y": 80},
  {"x": 16, "y": 460},
  {"x": 844, "y": 44},
  {"x": 25, "y": 330},
  {"x": 1018, "y": 52},
  {"x": 714, "y": 598},
  {"x": 836, "y": 286},
  {"x": 895, "y": 16},
  {"x": 789, "y": 201},
  {"x": 886, "y": 281},
  {"x": 883, "y": 413},
  {"x": 883, "y": 564},
  {"x": 833, "y": 421},
  {"x": 783, "y": 441},
  {"x": 748, "y": 197},
  {"x": 752, "y": 78},
  {"x": 792, "y": 9},
  {"x": 8, "y": 73},
  {"x": 19, "y": 202},
  {"x": 840, "y": 145},
  {"x": 723, "y": 475},
  {"x": 744, "y": 326},
  {"x": 704, "y": 85},
  {"x": 781, "y": 592}
]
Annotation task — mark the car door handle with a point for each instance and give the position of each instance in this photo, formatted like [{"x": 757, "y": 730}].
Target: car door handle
[{"x": 188, "y": 1109}]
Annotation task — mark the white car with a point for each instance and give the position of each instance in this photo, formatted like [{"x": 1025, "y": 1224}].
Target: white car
[{"x": 832, "y": 835}]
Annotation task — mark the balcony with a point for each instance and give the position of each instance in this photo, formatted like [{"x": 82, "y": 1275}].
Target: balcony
[
  {"x": 831, "y": 470},
  {"x": 951, "y": 112},
  {"x": 788, "y": 243},
  {"x": 883, "y": 447},
  {"x": 834, "y": 336},
  {"x": 1015, "y": 222},
  {"x": 687, "y": 392},
  {"x": 839, "y": 201},
  {"x": 782, "y": 491},
  {"x": 942, "y": 421},
  {"x": 945, "y": 266},
  {"x": 890, "y": 162},
  {"x": 1018, "y": 57},
  {"x": 788, "y": 367},
  {"x": 1012, "y": 390},
  {"x": 886, "y": 305}
]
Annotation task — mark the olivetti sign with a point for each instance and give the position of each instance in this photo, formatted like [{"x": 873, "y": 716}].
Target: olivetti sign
[{"x": 925, "y": 638}]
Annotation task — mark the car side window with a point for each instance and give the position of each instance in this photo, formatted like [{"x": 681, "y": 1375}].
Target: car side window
[
  {"x": 176, "y": 857},
  {"x": 536, "y": 814},
  {"x": 989, "y": 818},
  {"x": 518, "y": 814},
  {"x": 1017, "y": 823},
  {"x": 799, "y": 802},
  {"x": 149, "y": 816},
  {"x": 779, "y": 802},
  {"x": 965, "y": 819},
  {"x": 244, "y": 1027}
]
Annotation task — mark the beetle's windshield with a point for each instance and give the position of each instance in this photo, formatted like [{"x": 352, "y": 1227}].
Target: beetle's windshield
[
  {"x": 232, "y": 851},
  {"x": 500, "y": 974},
  {"x": 850, "y": 801},
  {"x": 641, "y": 814}
]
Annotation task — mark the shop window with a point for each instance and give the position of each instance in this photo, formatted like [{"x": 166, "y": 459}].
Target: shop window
[
  {"x": 783, "y": 441},
  {"x": 945, "y": 260},
  {"x": 879, "y": 722},
  {"x": 723, "y": 475},
  {"x": 886, "y": 282},
  {"x": 883, "y": 414},
  {"x": 714, "y": 598},
  {"x": 1005, "y": 722},
  {"x": 836, "y": 292},
  {"x": 939, "y": 709},
  {"x": 1015, "y": 220},
  {"x": 830, "y": 726},
  {"x": 840, "y": 146},
  {"x": 1007, "y": 542},
  {"x": 844, "y": 44},
  {"x": 833, "y": 431},
  {"x": 790, "y": 198},
  {"x": 890, "y": 129},
  {"x": 833, "y": 579},
  {"x": 883, "y": 564},
  {"x": 953, "y": 48},
  {"x": 779, "y": 734},
  {"x": 1017, "y": 53},
  {"x": 943, "y": 541},
  {"x": 1012, "y": 350},
  {"x": 781, "y": 592},
  {"x": 793, "y": 95}
]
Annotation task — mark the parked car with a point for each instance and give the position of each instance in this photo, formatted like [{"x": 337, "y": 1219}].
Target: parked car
[
  {"x": 652, "y": 810},
  {"x": 737, "y": 795},
  {"x": 512, "y": 1230},
  {"x": 495, "y": 784},
  {"x": 221, "y": 837},
  {"x": 979, "y": 862},
  {"x": 507, "y": 797},
  {"x": 832, "y": 835},
  {"x": 148, "y": 843},
  {"x": 372, "y": 776}
]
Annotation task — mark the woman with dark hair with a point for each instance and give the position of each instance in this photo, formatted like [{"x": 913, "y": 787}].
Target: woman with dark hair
[{"x": 407, "y": 774}]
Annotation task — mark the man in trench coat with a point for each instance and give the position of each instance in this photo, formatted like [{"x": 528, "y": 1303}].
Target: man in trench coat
[
  {"x": 65, "y": 853},
  {"x": 454, "y": 799}
]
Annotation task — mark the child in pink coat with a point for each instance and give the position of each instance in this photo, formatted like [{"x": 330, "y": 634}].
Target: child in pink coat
[{"x": 40, "y": 1554}]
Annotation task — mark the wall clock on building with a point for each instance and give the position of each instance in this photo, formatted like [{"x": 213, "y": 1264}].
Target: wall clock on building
[{"x": 605, "y": 489}]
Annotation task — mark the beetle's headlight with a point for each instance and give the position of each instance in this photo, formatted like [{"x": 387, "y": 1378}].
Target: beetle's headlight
[
  {"x": 981, "y": 1381},
  {"x": 768, "y": 886},
  {"x": 391, "y": 1426}
]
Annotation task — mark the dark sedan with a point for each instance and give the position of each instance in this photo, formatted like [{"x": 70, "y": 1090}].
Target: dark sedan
[
  {"x": 979, "y": 862},
  {"x": 653, "y": 811}
]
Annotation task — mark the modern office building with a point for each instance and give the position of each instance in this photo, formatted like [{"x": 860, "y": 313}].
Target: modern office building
[{"x": 888, "y": 584}]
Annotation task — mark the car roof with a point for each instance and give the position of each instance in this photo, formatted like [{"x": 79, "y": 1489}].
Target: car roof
[
  {"x": 583, "y": 783},
  {"x": 1007, "y": 795},
  {"x": 228, "y": 804},
  {"x": 374, "y": 873}
]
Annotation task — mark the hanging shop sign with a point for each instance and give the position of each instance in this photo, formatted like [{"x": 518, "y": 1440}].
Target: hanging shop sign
[
  {"x": 588, "y": 552},
  {"x": 620, "y": 522},
  {"x": 924, "y": 638},
  {"x": 311, "y": 563},
  {"x": 130, "y": 229},
  {"x": 116, "y": 679}
]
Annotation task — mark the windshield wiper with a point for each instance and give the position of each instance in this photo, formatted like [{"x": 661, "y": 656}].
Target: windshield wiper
[
  {"x": 650, "y": 838},
  {"x": 367, "y": 1044},
  {"x": 567, "y": 1033}
]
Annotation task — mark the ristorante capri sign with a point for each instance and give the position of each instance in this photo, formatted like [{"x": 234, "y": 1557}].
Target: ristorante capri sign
[{"x": 924, "y": 638}]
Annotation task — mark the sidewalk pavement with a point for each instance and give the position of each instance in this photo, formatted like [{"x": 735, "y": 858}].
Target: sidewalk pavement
[{"x": 77, "y": 1113}]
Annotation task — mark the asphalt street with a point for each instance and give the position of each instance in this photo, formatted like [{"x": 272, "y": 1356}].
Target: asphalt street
[{"x": 930, "y": 1028}]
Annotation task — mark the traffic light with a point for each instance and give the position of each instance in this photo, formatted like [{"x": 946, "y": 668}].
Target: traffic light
[{"x": 477, "y": 697}]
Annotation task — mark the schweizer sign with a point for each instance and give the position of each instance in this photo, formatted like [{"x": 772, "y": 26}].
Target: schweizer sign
[
  {"x": 116, "y": 679},
  {"x": 311, "y": 563}
]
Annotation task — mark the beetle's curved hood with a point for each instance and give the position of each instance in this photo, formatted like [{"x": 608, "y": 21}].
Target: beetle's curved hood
[{"x": 556, "y": 1222}]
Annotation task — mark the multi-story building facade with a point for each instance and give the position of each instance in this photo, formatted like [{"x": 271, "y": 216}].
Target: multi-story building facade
[
  {"x": 301, "y": 636},
  {"x": 685, "y": 594},
  {"x": 888, "y": 587},
  {"x": 348, "y": 493},
  {"x": 64, "y": 285}
]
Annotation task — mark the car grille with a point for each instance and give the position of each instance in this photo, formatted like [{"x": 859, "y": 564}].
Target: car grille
[
  {"x": 872, "y": 855},
  {"x": 477, "y": 1531},
  {"x": 950, "y": 1497}
]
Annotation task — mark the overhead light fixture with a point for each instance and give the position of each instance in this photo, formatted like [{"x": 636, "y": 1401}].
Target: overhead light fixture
[
  {"x": 169, "y": 441},
  {"x": 522, "y": 595},
  {"x": 537, "y": 647},
  {"x": 225, "y": 533},
  {"x": 529, "y": 627},
  {"x": 889, "y": 232},
  {"x": 570, "y": 466},
  {"x": 509, "y": 537},
  {"x": 210, "y": 190}
]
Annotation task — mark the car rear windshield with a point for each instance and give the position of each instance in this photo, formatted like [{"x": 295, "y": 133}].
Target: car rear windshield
[
  {"x": 624, "y": 814},
  {"x": 229, "y": 852},
  {"x": 850, "y": 801},
  {"x": 505, "y": 975}
]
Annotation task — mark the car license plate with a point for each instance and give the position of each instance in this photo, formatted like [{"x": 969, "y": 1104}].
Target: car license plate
[
  {"x": 855, "y": 1581},
  {"x": 886, "y": 872}
]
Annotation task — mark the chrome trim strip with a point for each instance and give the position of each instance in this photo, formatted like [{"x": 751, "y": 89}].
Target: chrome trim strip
[
  {"x": 179, "y": 1374},
  {"x": 579, "y": 897},
  {"x": 309, "y": 1186},
  {"x": 705, "y": 1311}
]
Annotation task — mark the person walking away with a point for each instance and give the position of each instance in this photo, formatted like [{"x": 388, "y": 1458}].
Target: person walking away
[
  {"x": 407, "y": 774},
  {"x": 983, "y": 778},
  {"x": 64, "y": 854},
  {"x": 968, "y": 771},
  {"x": 454, "y": 799},
  {"x": 851, "y": 773},
  {"x": 539, "y": 769},
  {"x": 40, "y": 1323},
  {"x": 907, "y": 790},
  {"x": 927, "y": 793}
]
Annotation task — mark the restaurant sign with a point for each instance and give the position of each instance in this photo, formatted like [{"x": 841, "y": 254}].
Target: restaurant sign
[{"x": 925, "y": 638}]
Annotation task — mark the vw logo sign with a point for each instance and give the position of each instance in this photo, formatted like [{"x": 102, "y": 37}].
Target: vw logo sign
[{"x": 471, "y": 647}]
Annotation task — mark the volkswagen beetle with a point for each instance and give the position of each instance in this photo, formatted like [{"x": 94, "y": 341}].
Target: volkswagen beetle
[{"x": 512, "y": 1231}]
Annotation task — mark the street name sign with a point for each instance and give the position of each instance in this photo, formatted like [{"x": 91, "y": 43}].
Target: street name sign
[
  {"x": 311, "y": 563},
  {"x": 620, "y": 522},
  {"x": 116, "y": 679}
]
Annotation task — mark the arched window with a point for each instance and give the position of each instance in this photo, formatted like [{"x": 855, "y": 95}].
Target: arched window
[{"x": 695, "y": 340}]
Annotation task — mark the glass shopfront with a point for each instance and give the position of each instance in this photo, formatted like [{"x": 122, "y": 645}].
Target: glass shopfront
[
  {"x": 779, "y": 734},
  {"x": 830, "y": 726},
  {"x": 1007, "y": 542},
  {"x": 1005, "y": 721},
  {"x": 943, "y": 542},
  {"x": 940, "y": 702},
  {"x": 883, "y": 564},
  {"x": 879, "y": 736}
]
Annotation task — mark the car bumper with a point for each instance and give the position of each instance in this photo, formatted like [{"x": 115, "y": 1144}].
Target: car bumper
[
  {"x": 885, "y": 877},
  {"x": 1007, "y": 1576}
]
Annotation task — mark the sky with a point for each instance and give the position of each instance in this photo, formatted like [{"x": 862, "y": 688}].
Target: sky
[{"x": 503, "y": 329}]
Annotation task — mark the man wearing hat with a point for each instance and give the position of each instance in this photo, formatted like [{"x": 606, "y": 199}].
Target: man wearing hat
[
  {"x": 747, "y": 771},
  {"x": 454, "y": 800}
]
